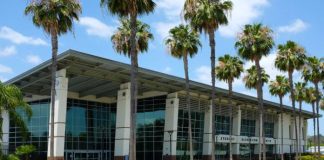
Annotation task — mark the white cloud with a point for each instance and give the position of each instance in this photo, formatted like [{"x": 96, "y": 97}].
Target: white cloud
[
  {"x": 3, "y": 79},
  {"x": 295, "y": 27},
  {"x": 167, "y": 70},
  {"x": 243, "y": 12},
  {"x": 33, "y": 59},
  {"x": 95, "y": 27},
  {"x": 268, "y": 64},
  {"x": 171, "y": 8},
  {"x": 202, "y": 74},
  {"x": 18, "y": 38},
  {"x": 5, "y": 69},
  {"x": 8, "y": 51},
  {"x": 162, "y": 28}
]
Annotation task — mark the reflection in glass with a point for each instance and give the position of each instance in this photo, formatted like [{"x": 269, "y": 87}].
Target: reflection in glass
[{"x": 150, "y": 128}]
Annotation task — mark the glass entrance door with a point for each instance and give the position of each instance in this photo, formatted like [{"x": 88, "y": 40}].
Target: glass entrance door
[{"x": 83, "y": 155}]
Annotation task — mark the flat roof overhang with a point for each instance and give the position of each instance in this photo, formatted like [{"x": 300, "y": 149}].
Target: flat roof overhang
[{"x": 93, "y": 75}]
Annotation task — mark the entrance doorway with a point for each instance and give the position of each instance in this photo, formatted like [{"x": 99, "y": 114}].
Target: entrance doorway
[{"x": 85, "y": 155}]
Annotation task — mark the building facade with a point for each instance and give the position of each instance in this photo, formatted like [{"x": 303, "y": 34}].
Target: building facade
[{"x": 92, "y": 111}]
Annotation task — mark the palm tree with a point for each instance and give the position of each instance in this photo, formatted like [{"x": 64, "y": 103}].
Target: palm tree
[
  {"x": 11, "y": 99},
  {"x": 131, "y": 9},
  {"x": 300, "y": 91},
  {"x": 280, "y": 87},
  {"x": 311, "y": 99},
  {"x": 251, "y": 79},
  {"x": 314, "y": 73},
  {"x": 55, "y": 17},
  {"x": 291, "y": 57},
  {"x": 228, "y": 70},
  {"x": 207, "y": 16},
  {"x": 183, "y": 42},
  {"x": 253, "y": 43},
  {"x": 121, "y": 38},
  {"x": 122, "y": 44}
]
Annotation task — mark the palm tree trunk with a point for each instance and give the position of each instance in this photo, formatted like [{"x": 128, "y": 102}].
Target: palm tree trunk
[
  {"x": 299, "y": 124},
  {"x": 212, "y": 44},
  {"x": 314, "y": 125},
  {"x": 54, "y": 41},
  {"x": 292, "y": 92},
  {"x": 317, "y": 118},
  {"x": 185, "y": 62},
  {"x": 230, "y": 88},
  {"x": 261, "y": 110},
  {"x": 133, "y": 91},
  {"x": 281, "y": 121}
]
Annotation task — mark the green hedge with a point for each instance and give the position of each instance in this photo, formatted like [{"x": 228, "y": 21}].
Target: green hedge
[{"x": 311, "y": 157}]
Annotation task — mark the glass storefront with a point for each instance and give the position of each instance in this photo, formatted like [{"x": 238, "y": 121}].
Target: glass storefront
[
  {"x": 268, "y": 129},
  {"x": 222, "y": 124},
  {"x": 246, "y": 151},
  {"x": 150, "y": 128},
  {"x": 247, "y": 127},
  {"x": 222, "y": 151},
  {"x": 197, "y": 124},
  {"x": 37, "y": 130},
  {"x": 90, "y": 130}
]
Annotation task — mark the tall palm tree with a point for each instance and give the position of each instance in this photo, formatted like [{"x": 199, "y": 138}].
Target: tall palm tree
[
  {"x": 206, "y": 16},
  {"x": 300, "y": 91},
  {"x": 183, "y": 42},
  {"x": 121, "y": 38},
  {"x": 251, "y": 79},
  {"x": 253, "y": 43},
  {"x": 121, "y": 43},
  {"x": 314, "y": 73},
  {"x": 280, "y": 87},
  {"x": 310, "y": 98},
  {"x": 55, "y": 17},
  {"x": 229, "y": 69},
  {"x": 291, "y": 57},
  {"x": 131, "y": 9},
  {"x": 11, "y": 99}
]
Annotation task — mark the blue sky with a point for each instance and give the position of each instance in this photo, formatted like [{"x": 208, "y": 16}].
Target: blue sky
[{"x": 23, "y": 46}]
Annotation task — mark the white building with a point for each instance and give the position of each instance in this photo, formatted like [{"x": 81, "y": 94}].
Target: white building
[{"x": 93, "y": 107}]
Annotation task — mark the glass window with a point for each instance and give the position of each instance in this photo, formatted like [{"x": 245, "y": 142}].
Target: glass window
[
  {"x": 222, "y": 151},
  {"x": 89, "y": 126},
  {"x": 37, "y": 129},
  {"x": 246, "y": 151},
  {"x": 268, "y": 129},
  {"x": 222, "y": 124},
  {"x": 197, "y": 126},
  {"x": 247, "y": 127},
  {"x": 150, "y": 128}
]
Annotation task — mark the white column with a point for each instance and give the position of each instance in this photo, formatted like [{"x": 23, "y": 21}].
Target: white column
[
  {"x": 236, "y": 128},
  {"x": 286, "y": 136},
  {"x": 277, "y": 134},
  {"x": 257, "y": 130},
  {"x": 171, "y": 125},
  {"x": 293, "y": 134},
  {"x": 61, "y": 89},
  {"x": 5, "y": 132},
  {"x": 207, "y": 144},
  {"x": 123, "y": 122},
  {"x": 305, "y": 133}
]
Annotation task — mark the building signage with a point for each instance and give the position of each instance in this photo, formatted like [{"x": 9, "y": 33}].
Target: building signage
[
  {"x": 242, "y": 139},
  {"x": 250, "y": 140},
  {"x": 225, "y": 138}
]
